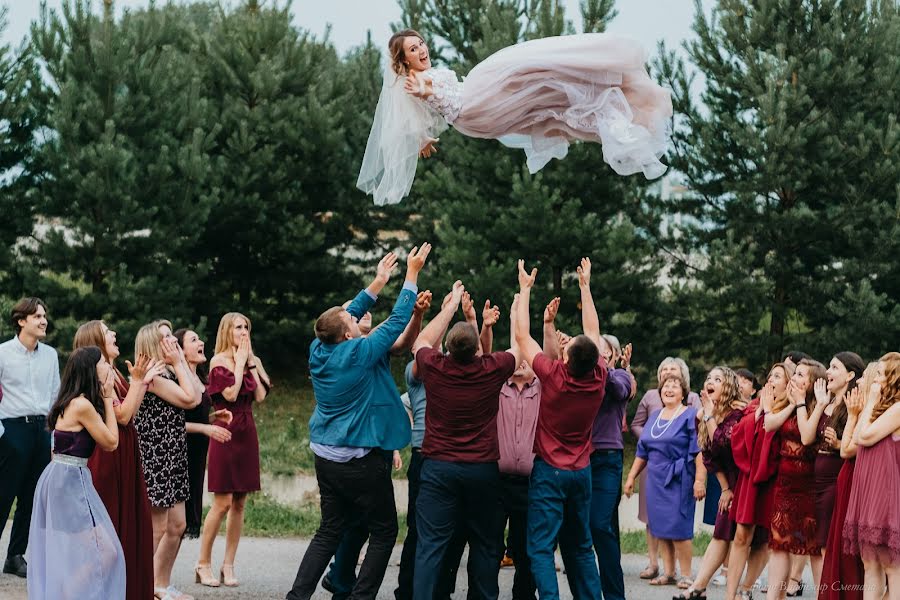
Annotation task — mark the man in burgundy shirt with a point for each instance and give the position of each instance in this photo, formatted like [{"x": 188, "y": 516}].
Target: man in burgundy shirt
[
  {"x": 559, "y": 495},
  {"x": 459, "y": 479}
]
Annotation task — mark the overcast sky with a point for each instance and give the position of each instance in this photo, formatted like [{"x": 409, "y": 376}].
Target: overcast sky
[{"x": 645, "y": 20}]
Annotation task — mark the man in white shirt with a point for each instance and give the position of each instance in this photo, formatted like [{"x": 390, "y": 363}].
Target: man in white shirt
[{"x": 29, "y": 378}]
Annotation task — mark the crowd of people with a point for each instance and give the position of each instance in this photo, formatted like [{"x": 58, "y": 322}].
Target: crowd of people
[
  {"x": 802, "y": 468},
  {"x": 106, "y": 472}
]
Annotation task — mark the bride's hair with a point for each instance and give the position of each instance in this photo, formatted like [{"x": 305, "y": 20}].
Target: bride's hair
[{"x": 395, "y": 48}]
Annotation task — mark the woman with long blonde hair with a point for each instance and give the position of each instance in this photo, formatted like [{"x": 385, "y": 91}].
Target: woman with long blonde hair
[
  {"x": 872, "y": 528},
  {"x": 236, "y": 381},
  {"x": 163, "y": 440}
]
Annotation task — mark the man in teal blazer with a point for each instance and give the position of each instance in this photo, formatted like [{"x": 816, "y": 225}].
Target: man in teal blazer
[{"x": 355, "y": 417}]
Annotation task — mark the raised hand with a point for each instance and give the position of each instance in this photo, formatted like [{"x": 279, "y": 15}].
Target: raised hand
[
  {"x": 385, "y": 267},
  {"x": 796, "y": 395},
  {"x": 526, "y": 280},
  {"x": 767, "y": 398},
  {"x": 706, "y": 401},
  {"x": 171, "y": 351},
  {"x": 420, "y": 88},
  {"x": 107, "y": 379},
  {"x": 854, "y": 401},
  {"x": 562, "y": 339},
  {"x": 243, "y": 352},
  {"x": 224, "y": 415},
  {"x": 138, "y": 371},
  {"x": 447, "y": 299},
  {"x": 551, "y": 311},
  {"x": 416, "y": 258},
  {"x": 423, "y": 302},
  {"x": 626, "y": 357},
  {"x": 490, "y": 314},
  {"x": 456, "y": 295},
  {"x": 821, "y": 390},
  {"x": 429, "y": 148},
  {"x": 584, "y": 272},
  {"x": 468, "y": 308}
]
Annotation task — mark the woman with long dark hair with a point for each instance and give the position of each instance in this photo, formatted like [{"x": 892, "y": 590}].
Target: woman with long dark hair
[
  {"x": 73, "y": 549},
  {"x": 118, "y": 475}
]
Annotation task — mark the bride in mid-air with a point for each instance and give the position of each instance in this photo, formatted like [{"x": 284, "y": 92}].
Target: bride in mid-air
[{"x": 538, "y": 95}]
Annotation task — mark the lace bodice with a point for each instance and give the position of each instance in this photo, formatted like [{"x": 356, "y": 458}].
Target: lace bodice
[{"x": 447, "y": 96}]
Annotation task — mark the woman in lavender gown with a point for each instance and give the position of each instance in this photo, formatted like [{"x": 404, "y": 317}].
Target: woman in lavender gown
[
  {"x": 539, "y": 95},
  {"x": 73, "y": 548},
  {"x": 675, "y": 473}
]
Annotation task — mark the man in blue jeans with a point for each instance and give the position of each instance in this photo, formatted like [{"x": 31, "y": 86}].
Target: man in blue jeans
[{"x": 559, "y": 494}]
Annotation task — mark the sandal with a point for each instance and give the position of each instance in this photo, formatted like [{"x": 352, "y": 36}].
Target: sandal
[
  {"x": 649, "y": 572},
  {"x": 798, "y": 591},
  {"x": 685, "y": 583},
  {"x": 692, "y": 594},
  {"x": 663, "y": 580}
]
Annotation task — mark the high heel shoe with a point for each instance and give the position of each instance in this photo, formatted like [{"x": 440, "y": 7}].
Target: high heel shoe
[
  {"x": 798, "y": 591},
  {"x": 203, "y": 575},
  {"x": 228, "y": 580}
]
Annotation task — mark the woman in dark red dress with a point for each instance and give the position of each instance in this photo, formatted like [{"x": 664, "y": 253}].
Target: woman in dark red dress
[
  {"x": 793, "y": 526},
  {"x": 842, "y": 573},
  {"x": 823, "y": 429},
  {"x": 236, "y": 380},
  {"x": 756, "y": 457},
  {"x": 118, "y": 475}
]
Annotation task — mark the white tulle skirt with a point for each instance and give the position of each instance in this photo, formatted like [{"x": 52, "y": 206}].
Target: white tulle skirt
[
  {"x": 542, "y": 94},
  {"x": 73, "y": 550}
]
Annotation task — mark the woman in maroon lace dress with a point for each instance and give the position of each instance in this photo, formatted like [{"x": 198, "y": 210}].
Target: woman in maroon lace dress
[
  {"x": 756, "y": 456},
  {"x": 872, "y": 528},
  {"x": 118, "y": 475},
  {"x": 236, "y": 381},
  {"x": 793, "y": 526}
]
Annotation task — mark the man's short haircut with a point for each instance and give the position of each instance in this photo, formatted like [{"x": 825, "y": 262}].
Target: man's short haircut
[
  {"x": 330, "y": 327},
  {"x": 23, "y": 309},
  {"x": 462, "y": 342},
  {"x": 583, "y": 356}
]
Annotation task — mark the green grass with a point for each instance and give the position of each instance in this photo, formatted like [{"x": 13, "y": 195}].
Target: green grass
[{"x": 635, "y": 542}]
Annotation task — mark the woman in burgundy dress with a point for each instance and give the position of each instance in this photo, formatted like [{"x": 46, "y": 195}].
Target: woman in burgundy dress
[
  {"x": 842, "y": 573},
  {"x": 823, "y": 429},
  {"x": 236, "y": 380},
  {"x": 872, "y": 526},
  {"x": 118, "y": 475},
  {"x": 793, "y": 527},
  {"x": 756, "y": 456}
]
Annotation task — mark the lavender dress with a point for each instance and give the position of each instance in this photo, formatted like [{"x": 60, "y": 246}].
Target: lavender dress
[
  {"x": 73, "y": 548},
  {"x": 670, "y": 447}
]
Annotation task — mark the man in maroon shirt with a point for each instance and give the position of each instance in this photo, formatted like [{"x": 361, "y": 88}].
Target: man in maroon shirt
[
  {"x": 559, "y": 494},
  {"x": 460, "y": 479}
]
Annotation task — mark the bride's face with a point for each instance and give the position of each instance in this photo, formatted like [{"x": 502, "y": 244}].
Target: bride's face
[{"x": 415, "y": 53}]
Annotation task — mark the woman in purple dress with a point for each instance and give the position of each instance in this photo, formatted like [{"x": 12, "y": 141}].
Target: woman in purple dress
[
  {"x": 649, "y": 403},
  {"x": 237, "y": 380},
  {"x": 675, "y": 473},
  {"x": 73, "y": 548}
]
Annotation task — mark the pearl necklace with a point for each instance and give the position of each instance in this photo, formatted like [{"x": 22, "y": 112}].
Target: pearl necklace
[{"x": 665, "y": 428}]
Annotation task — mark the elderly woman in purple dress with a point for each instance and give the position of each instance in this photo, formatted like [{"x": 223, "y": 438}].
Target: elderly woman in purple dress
[
  {"x": 675, "y": 478},
  {"x": 648, "y": 404}
]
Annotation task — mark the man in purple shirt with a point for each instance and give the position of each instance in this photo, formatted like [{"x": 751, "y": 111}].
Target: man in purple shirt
[{"x": 606, "y": 467}]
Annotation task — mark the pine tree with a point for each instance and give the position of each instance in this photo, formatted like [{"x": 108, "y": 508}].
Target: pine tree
[
  {"x": 483, "y": 210},
  {"x": 286, "y": 210},
  {"x": 793, "y": 155},
  {"x": 124, "y": 165},
  {"x": 18, "y": 121}
]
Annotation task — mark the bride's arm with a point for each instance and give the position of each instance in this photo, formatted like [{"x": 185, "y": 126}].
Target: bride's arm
[{"x": 419, "y": 86}]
